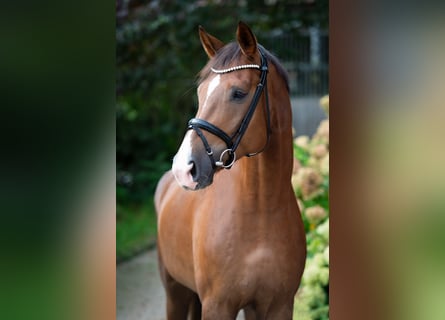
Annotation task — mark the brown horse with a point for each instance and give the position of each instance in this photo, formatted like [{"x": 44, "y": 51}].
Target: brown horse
[{"x": 237, "y": 240}]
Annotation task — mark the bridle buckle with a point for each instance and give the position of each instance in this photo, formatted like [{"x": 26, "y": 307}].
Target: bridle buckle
[{"x": 220, "y": 163}]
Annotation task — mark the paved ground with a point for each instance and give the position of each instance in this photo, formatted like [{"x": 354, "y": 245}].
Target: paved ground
[{"x": 139, "y": 291}]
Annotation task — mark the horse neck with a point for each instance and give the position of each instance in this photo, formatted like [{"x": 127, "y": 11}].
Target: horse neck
[{"x": 268, "y": 174}]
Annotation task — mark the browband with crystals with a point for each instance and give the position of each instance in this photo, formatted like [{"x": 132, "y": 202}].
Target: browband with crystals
[{"x": 244, "y": 66}]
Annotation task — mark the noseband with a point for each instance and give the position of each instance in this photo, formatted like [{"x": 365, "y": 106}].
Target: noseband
[{"x": 233, "y": 141}]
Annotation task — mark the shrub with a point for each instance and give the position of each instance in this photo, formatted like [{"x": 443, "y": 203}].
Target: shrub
[{"x": 311, "y": 184}]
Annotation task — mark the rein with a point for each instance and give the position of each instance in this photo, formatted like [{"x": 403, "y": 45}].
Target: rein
[{"x": 233, "y": 141}]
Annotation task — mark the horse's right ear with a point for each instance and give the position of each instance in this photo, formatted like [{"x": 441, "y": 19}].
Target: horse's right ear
[{"x": 210, "y": 44}]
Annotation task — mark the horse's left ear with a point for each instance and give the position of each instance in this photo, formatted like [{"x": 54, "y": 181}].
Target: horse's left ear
[
  {"x": 210, "y": 44},
  {"x": 246, "y": 40}
]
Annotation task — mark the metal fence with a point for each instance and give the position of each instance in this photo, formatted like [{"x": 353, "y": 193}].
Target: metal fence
[{"x": 305, "y": 55}]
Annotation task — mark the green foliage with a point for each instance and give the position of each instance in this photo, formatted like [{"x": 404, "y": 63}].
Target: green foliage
[
  {"x": 301, "y": 154},
  {"x": 311, "y": 184},
  {"x": 135, "y": 229}
]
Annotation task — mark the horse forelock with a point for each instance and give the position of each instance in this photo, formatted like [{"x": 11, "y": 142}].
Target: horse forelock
[{"x": 231, "y": 54}]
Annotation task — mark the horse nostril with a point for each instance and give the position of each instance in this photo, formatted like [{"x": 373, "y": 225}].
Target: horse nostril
[{"x": 193, "y": 170}]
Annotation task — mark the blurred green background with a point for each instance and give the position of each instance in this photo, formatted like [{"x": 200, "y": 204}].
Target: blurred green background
[{"x": 158, "y": 56}]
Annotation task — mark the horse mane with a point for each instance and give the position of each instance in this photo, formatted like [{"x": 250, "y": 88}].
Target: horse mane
[{"x": 230, "y": 54}]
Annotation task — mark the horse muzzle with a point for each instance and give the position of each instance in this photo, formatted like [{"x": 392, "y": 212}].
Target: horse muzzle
[
  {"x": 194, "y": 175},
  {"x": 192, "y": 170}
]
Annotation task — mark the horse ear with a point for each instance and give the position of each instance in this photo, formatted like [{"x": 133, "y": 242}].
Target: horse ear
[
  {"x": 246, "y": 40},
  {"x": 210, "y": 44}
]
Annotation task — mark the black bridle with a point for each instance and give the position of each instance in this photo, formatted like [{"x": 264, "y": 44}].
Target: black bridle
[{"x": 233, "y": 141}]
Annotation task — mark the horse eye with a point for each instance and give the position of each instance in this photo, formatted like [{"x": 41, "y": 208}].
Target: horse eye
[{"x": 238, "y": 94}]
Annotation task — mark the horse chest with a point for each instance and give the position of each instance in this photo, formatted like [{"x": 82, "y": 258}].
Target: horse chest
[
  {"x": 240, "y": 236},
  {"x": 241, "y": 264}
]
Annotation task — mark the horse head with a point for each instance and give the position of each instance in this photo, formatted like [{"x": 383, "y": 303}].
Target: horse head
[{"x": 232, "y": 120}]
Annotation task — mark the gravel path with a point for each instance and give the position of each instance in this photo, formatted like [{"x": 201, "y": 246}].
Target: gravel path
[{"x": 139, "y": 291}]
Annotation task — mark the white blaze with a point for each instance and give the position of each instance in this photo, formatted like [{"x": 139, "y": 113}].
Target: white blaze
[
  {"x": 181, "y": 167},
  {"x": 212, "y": 86}
]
